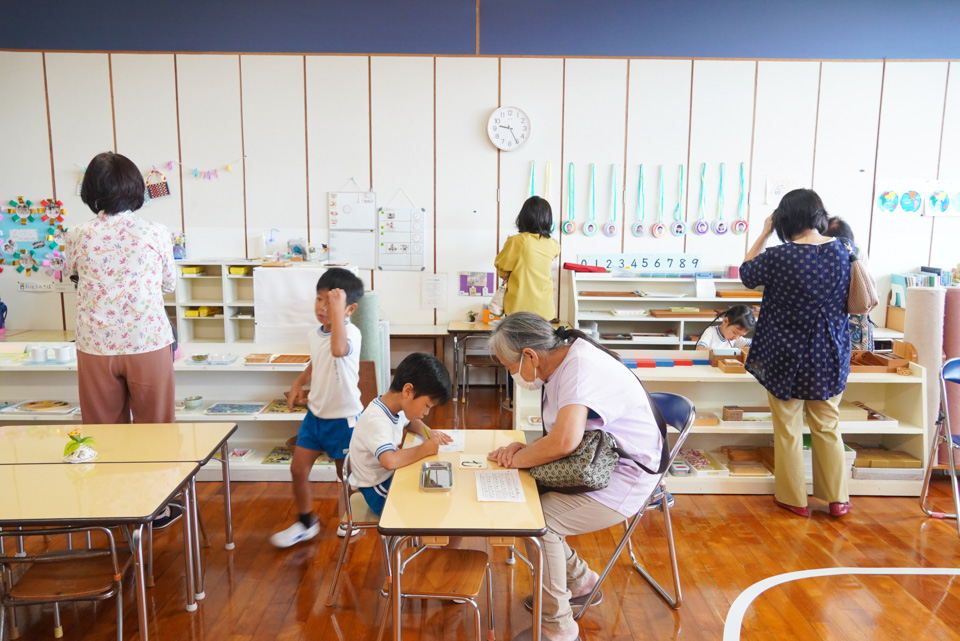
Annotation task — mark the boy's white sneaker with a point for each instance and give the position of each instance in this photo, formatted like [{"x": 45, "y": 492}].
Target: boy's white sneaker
[{"x": 294, "y": 534}]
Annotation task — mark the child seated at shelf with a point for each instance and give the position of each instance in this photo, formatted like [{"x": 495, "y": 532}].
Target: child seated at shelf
[
  {"x": 333, "y": 401},
  {"x": 420, "y": 383},
  {"x": 731, "y": 331}
]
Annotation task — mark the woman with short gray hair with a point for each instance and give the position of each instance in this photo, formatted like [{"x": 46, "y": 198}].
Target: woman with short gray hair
[{"x": 583, "y": 387}]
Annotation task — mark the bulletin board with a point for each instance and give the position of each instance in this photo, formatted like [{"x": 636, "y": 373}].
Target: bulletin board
[
  {"x": 353, "y": 222},
  {"x": 401, "y": 240},
  {"x": 31, "y": 238}
]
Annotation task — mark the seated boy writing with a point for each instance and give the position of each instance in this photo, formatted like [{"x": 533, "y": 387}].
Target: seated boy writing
[
  {"x": 420, "y": 383},
  {"x": 333, "y": 401}
]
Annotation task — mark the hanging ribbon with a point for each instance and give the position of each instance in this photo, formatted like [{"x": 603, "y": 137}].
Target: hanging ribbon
[
  {"x": 659, "y": 229},
  {"x": 590, "y": 227},
  {"x": 569, "y": 226},
  {"x": 548, "y": 175},
  {"x": 641, "y": 206},
  {"x": 533, "y": 171},
  {"x": 610, "y": 229},
  {"x": 702, "y": 226},
  {"x": 740, "y": 224},
  {"x": 720, "y": 227},
  {"x": 679, "y": 227}
]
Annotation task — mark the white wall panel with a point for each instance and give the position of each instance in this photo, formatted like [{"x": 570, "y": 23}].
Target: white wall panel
[
  {"x": 946, "y": 229},
  {"x": 25, "y": 171},
  {"x": 908, "y": 148},
  {"x": 658, "y": 127},
  {"x": 720, "y": 132},
  {"x": 466, "y": 217},
  {"x": 274, "y": 139},
  {"x": 536, "y": 86},
  {"x": 847, "y": 141},
  {"x": 210, "y": 138},
  {"x": 145, "y": 113},
  {"x": 784, "y": 133},
  {"x": 338, "y": 132},
  {"x": 594, "y": 133},
  {"x": 81, "y": 126},
  {"x": 402, "y": 95}
]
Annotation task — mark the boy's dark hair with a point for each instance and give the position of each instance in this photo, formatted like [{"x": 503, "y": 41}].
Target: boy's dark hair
[
  {"x": 838, "y": 228},
  {"x": 740, "y": 315},
  {"x": 112, "y": 184},
  {"x": 799, "y": 210},
  {"x": 426, "y": 373},
  {"x": 339, "y": 278},
  {"x": 535, "y": 217}
]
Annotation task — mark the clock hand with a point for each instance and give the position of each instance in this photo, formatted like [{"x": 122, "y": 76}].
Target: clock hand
[{"x": 514, "y": 136}]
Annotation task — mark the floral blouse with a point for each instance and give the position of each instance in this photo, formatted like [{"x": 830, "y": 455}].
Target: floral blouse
[
  {"x": 125, "y": 265},
  {"x": 801, "y": 345}
]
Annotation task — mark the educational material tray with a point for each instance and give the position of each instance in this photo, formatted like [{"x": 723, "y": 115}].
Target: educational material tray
[
  {"x": 611, "y": 294},
  {"x": 666, "y": 313},
  {"x": 739, "y": 293}
]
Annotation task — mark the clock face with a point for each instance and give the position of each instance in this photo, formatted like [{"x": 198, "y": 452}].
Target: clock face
[{"x": 508, "y": 128}]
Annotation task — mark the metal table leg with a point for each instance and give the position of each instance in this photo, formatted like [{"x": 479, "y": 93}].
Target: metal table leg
[
  {"x": 187, "y": 522},
  {"x": 537, "y": 589},
  {"x": 227, "y": 502},
  {"x": 395, "y": 591},
  {"x": 197, "y": 563},
  {"x": 137, "y": 541}
]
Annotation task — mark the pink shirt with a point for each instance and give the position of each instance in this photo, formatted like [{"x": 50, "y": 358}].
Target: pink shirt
[
  {"x": 588, "y": 376},
  {"x": 125, "y": 265}
]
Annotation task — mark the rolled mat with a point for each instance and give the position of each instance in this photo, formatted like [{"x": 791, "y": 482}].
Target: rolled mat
[
  {"x": 367, "y": 320},
  {"x": 951, "y": 347},
  {"x": 923, "y": 327}
]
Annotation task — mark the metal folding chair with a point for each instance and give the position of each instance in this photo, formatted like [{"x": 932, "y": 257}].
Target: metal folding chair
[
  {"x": 950, "y": 373},
  {"x": 679, "y": 413}
]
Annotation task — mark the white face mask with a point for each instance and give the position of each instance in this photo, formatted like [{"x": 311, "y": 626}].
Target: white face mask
[{"x": 533, "y": 385}]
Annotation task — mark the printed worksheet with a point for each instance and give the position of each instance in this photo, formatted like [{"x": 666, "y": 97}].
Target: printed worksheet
[
  {"x": 456, "y": 445},
  {"x": 499, "y": 485}
]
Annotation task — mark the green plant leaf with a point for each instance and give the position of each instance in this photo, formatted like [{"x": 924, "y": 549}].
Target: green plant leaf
[
  {"x": 70, "y": 448},
  {"x": 88, "y": 440}
]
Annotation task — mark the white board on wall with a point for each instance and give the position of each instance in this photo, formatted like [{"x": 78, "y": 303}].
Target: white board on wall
[{"x": 354, "y": 248}]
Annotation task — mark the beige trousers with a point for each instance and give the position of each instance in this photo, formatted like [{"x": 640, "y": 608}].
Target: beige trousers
[
  {"x": 114, "y": 387},
  {"x": 829, "y": 467},
  {"x": 563, "y": 570}
]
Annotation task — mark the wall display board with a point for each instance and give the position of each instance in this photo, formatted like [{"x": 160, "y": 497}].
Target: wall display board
[
  {"x": 31, "y": 237},
  {"x": 353, "y": 220},
  {"x": 400, "y": 244},
  {"x": 645, "y": 263}
]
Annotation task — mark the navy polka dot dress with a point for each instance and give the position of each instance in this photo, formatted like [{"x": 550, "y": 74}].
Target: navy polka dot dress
[{"x": 801, "y": 345}]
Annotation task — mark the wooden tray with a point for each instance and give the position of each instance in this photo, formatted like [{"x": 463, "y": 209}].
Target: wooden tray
[
  {"x": 746, "y": 293},
  {"x": 666, "y": 313},
  {"x": 861, "y": 362},
  {"x": 611, "y": 294}
]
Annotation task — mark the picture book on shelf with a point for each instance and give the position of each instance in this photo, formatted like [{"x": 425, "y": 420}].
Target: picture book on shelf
[
  {"x": 237, "y": 454},
  {"x": 279, "y": 455}
]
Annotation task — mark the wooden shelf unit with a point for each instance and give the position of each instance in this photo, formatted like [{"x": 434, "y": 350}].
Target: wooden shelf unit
[
  {"x": 663, "y": 293},
  {"x": 899, "y": 397},
  {"x": 214, "y": 286}
]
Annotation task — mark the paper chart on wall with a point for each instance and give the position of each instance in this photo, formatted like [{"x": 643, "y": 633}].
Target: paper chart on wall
[
  {"x": 353, "y": 219},
  {"x": 401, "y": 241}
]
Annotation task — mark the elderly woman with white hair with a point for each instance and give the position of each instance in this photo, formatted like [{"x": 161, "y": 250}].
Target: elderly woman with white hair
[{"x": 583, "y": 387}]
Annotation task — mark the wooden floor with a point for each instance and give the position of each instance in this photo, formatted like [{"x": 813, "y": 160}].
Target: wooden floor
[{"x": 725, "y": 544}]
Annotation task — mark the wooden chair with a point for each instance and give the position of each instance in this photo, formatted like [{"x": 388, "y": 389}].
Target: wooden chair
[
  {"x": 679, "y": 413},
  {"x": 430, "y": 572},
  {"x": 60, "y": 575},
  {"x": 943, "y": 437},
  {"x": 357, "y": 515}
]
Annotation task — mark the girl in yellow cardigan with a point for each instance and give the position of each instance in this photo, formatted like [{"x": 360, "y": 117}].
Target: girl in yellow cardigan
[{"x": 525, "y": 261}]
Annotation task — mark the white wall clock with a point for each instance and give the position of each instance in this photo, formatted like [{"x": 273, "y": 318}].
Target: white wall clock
[{"x": 508, "y": 128}]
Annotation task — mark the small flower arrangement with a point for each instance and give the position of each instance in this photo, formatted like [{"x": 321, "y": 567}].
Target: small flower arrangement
[
  {"x": 76, "y": 440},
  {"x": 471, "y": 316}
]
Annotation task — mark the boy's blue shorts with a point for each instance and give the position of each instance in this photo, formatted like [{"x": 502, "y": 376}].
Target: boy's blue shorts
[
  {"x": 331, "y": 435},
  {"x": 376, "y": 496}
]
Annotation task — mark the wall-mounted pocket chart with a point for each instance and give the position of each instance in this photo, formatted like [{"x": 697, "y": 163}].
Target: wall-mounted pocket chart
[
  {"x": 401, "y": 239},
  {"x": 353, "y": 222}
]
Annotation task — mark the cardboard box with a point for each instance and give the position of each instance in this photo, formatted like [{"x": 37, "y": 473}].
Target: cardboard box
[{"x": 895, "y": 317}]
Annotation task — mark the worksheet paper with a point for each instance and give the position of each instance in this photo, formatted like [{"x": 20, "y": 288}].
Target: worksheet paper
[
  {"x": 456, "y": 445},
  {"x": 499, "y": 485}
]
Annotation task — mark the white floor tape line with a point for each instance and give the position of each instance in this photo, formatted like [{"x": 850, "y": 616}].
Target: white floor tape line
[{"x": 731, "y": 627}]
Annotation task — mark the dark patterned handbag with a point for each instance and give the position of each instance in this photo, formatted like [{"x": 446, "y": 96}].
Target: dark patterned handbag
[
  {"x": 590, "y": 466},
  {"x": 156, "y": 189}
]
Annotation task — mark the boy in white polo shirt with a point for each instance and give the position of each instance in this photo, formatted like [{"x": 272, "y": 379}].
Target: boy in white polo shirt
[
  {"x": 333, "y": 401},
  {"x": 420, "y": 383}
]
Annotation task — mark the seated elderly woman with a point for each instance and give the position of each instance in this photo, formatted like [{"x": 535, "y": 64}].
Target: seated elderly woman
[{"x": 584, "y": 387}]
